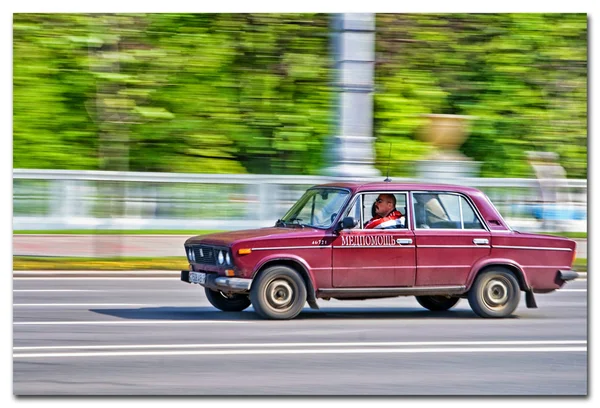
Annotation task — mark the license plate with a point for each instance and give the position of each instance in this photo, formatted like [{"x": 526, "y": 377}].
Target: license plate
[{"x": 197, "y": 277}]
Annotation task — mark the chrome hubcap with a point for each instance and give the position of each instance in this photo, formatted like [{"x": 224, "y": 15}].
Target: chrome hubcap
[
  {"x": 496, "y": 293},
  {"x": 280, "y": 294}
]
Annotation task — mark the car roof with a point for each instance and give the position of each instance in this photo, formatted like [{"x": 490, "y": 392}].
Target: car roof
[{"x": 414, "y": 186}]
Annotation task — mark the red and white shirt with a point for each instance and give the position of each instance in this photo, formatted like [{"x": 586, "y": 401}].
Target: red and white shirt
[{"x": 393, "y": 219}]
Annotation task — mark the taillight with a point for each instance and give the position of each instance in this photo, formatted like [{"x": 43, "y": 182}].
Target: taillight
[{"x": 574, "y": 256}]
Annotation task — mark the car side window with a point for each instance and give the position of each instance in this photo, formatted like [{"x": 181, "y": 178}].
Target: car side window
[
  {"x": 451, "y": 204},
  {"x": 470, "y": 220},
  {"x": 368, "y": 209},
  {"x": 444, "y": 211}
]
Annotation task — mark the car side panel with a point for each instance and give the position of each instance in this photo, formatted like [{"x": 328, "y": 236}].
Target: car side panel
[
  {"x": 312, "y": 252},
  {"x": 319, "y": 276},
  {"x": 539, "y": 257}
]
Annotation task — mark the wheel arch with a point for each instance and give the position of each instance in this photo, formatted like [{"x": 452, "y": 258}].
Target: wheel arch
[
  {"x": 511, "y": 266},
  {"x": 299, "y": 267}
]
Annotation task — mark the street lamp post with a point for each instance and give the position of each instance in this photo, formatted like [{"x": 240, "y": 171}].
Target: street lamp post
[{"x": 353, "y": 43}]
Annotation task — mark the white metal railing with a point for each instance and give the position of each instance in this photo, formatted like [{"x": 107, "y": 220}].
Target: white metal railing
[{"x": 73, "y": 199}]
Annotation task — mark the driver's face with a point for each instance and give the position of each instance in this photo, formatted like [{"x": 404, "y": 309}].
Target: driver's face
[{"x": 383, "y": 205}]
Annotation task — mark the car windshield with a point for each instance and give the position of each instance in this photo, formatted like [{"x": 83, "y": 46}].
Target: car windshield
[{"x": 318, "y": 208}]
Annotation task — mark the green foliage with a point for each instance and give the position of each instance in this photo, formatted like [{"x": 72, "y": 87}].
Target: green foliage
[
  {"x": 251, "y": 93},
  {"x": 523, "y": 77}
]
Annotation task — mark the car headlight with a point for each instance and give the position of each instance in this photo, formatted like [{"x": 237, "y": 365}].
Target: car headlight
[
  {"x": 191, "y": 255},
  {"x": 220, "y": 258},
  {"x": 227, "y": 258}
]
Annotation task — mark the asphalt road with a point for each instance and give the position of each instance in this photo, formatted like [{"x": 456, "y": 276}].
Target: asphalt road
[{"x": 145, "y": 336}]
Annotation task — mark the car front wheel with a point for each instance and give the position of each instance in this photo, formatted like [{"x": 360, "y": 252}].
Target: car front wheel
[
  {"x": 437, "y": 303},
  {"x": 495, "y": 293},
  {"x": 278, "y": 293},
  {"x": 227, "y": 303}
]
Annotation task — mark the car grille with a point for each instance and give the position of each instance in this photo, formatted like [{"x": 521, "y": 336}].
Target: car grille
[{"x": 205, "y": 255}]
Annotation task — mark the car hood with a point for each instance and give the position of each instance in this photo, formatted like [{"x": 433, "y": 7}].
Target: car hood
[{"x": 269, "y": 233}]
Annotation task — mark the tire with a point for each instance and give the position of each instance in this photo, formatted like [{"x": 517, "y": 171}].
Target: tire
[
  {"x": 495, "y": 293},
  {"x": 227, "y": 303},
  {"x": 437, "y": 303},
  {"x": 278, "y": 293}
]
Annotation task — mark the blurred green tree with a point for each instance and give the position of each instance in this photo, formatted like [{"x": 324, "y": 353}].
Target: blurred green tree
[
  {"x": 522, "y": 76},
  {"x": 237, "y": 93}
]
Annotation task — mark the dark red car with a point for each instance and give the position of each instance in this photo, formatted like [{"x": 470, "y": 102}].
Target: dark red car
[{"x": 447, "y": 242}]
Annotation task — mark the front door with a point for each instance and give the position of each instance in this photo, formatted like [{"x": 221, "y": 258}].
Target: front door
[{"x": 374, "y": 257}]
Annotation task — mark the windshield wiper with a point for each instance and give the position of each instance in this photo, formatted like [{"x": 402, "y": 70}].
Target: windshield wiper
[
  {"x": 290, "y": 222},
  {"x": 297, "y": 221}
]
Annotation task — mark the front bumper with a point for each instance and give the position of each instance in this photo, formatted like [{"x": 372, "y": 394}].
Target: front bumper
[{"x": 222, "y": 283}]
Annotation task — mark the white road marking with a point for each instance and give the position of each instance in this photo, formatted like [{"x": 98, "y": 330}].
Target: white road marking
[
  {"x": 173, "y": 279},
  {"x": 346, "y": 344},
  {"x": 109, "y": 322},
  {"x": 79, "y": 304},
  {"x": 308, "y": 351},
  {"x": 60, "y": 290},
  {"x": 101, "y": 290}
]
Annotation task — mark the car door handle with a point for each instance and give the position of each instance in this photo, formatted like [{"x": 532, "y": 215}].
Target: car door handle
[
  {"x": 480, "y": 241},
  {"x": 404, "y": 241}
]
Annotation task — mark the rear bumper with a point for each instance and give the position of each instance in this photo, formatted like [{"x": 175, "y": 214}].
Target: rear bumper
[
  {"x": 567, "y": 275},
  {"x": 222, "y": 283}
]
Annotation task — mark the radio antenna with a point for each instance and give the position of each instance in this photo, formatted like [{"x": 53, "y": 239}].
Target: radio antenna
[{"x": 387, "y": 176}]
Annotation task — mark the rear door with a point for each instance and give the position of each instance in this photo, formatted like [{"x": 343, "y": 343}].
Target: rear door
[
  {"x": 450, "y": 237},
  {"x": 374, "y": 257}
]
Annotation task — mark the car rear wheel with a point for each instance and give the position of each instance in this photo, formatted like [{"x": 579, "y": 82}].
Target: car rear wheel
[
  {"x": 227, "y": 303},
  {"x": 278, "y": 293},
  {"x": 437, "y": 303},
  {"x": 495, "y": 293}
]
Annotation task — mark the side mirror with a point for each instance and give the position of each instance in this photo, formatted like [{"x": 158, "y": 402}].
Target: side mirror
[{"x": 348, "y": 222}]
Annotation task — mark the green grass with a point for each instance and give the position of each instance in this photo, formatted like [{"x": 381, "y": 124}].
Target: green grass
[
  {"x": 117, "y": 232},
  {"x": 572, "y": 235},
  {"x": 26, "y": 263},
  {"x": 580, "y": 265}
]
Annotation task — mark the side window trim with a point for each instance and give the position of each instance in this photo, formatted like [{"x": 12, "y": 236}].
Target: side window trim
[
  {"x": 467, "y": 199},
  {"x": 462, "y": 218},
  {"x": 360, "y": 207},
  {"x": 346, "y": 213},
  {"x": 396, "y": 193}
]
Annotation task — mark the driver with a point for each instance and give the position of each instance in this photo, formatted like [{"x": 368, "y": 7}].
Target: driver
[{"x": 386, "y": 215}]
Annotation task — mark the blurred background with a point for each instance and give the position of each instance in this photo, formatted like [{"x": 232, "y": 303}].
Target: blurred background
[{"x": 200, "y": 122}]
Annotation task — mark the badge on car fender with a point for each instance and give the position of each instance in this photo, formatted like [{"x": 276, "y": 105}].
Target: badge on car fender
[{"x": 368, "y": 240}]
